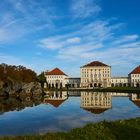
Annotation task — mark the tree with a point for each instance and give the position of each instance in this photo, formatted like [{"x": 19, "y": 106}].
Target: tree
[
  {"x": 17, "y": 73},
  {"x": 41, "y": 78}
]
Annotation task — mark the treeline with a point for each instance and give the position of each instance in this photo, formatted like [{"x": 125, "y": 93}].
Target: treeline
[{"x": 17, "y": 73}]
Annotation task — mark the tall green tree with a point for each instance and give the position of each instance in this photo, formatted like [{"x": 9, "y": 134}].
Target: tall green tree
[{"x": 42, "y": 79}]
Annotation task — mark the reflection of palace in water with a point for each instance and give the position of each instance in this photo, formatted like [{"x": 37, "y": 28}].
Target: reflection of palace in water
[
  {"x": 55, "y": 98},
  {"x": 135, "y": 98},
  {"x": 96, "y": 102}
]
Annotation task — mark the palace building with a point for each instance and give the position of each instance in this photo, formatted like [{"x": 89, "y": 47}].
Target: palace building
[
  {"x": 56, "y": 78},
  {"x": 134, "y": 77},
  {"x": 92, "y": 75},
  {"x": 120, "y": 82},
  {"x": 95, "y": 74}
]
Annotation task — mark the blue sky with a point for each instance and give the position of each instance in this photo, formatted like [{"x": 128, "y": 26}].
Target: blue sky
[{"x": 43, "y": 34}]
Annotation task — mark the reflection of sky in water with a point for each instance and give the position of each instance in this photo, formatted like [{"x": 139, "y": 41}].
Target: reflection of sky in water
[{"x": 45, "y": 117}]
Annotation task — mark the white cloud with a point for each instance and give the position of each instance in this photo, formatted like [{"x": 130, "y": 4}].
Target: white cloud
[
  {"x": 52, "y": 43},
  {"x": 58, "y": 42},
  {"x": 84, "y": 8},
  {"x": 10, "y": 28},
  {"x": 22, "y": 20},
  {"x": 74, "y": 40},
  {"x": 12, "y": 60},
  {"x": 125, "y": 39},
  {"x": 92, "y": 33},
  {"x": 98, "y": 42}
]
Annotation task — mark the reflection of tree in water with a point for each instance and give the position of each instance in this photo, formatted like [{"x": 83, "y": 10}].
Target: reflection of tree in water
[
  {"x": 135, "y": 98},
  {"x": 19, "y": 103},
  {"x": 96, "y": 102}
]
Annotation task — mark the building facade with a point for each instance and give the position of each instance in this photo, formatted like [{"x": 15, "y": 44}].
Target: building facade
[
  {"x": 120, "y": 81},
  {"x": 73, "y": 82},
  {"x": 95, "y": 74},
  {"x": 133, "y": 79},
  {"x": 55, "y": 78}
]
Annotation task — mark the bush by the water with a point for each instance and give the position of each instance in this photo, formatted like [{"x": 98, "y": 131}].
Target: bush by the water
[{"x": 118, "y": 130}]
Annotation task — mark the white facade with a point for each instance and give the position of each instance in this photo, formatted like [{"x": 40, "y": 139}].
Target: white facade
[
  {"x": 95, "y": 75},
  {"x": 120, "y": 81},
  {"x": 135, "y": 80},
  {"x": 132, "y": 80},
  {"x": 73, "y": 82},
  {"x": 56, "y": 78}
]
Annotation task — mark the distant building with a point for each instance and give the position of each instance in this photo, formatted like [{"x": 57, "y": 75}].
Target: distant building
[
  {"x": 95, "y": 74},
  {"x": 74, "y": 82},
  {"x": 97, "y": 102},
  {"x": 120, "y": 81},
  {"x": 134, "y": 77},
  {"x": 56, "y": 78}
]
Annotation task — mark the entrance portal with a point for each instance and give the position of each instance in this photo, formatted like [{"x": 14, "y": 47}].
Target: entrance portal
[
  {"x": 95, "y": 85},
  {"x": 100, "y": 84},
  {"x": 137, "y": 85}
]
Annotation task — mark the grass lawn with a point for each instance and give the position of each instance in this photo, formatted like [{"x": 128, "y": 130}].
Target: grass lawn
[
  {"x": 118, "y": 130},
  {"x": 109, "y": 89}
]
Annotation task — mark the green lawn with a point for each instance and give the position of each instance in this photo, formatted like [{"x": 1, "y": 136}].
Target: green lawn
[
  {"x": 118, "y": 130},
  {"x": 110, "y": 89}
]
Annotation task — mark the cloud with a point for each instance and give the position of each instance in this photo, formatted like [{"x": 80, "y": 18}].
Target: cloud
[
  {"x": 98, "y": 40},
  {"x": 12, "y": 60},
  {"x": 125, "y": 39},
  {"x": 74, "y": 40},
  {"x": 22, "y": 20},
  {"x": 84, "y": 8},
  {"x": 58, "y": 42},
  {"x": 86, "y": 37},
  {"x": 9, "y": 28}
]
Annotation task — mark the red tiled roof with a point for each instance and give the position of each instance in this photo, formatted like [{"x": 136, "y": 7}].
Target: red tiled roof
[
  {"x": 136, "y": 70},
  {"x": 55, "y": 71},
  {"x": 95, "y": 63},
  {"x": 96, "y": 110}
]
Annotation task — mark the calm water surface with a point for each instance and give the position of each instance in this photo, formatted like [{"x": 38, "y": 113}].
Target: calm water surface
[{"x": 63, "y": 111}]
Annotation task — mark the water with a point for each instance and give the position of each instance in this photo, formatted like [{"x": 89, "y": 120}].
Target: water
[{"x": 63, "y": 111}]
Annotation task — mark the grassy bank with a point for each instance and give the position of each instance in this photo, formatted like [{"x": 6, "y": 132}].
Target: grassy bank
[
  {"x": 122, "y": 89},
  {"x": 110, "y": 89},
  {"x": 118, "y": 130}
]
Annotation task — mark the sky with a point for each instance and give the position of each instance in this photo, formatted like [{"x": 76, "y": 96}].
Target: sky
[{"x": 44, "y": 34}]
